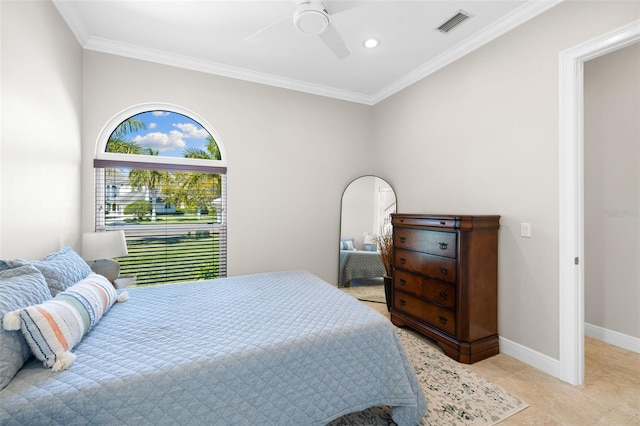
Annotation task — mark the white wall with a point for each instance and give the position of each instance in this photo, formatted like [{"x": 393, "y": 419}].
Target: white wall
[
  {"x": 290, "y": 155},
  {"x": 41, "y": 123},
  {"x": 358, "y": 210},
  {"x": 612, "y": 191},
  {"x": 481, "y": 136}
]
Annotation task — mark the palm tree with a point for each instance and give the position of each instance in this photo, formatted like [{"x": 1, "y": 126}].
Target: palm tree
[
  {"x": 130, "y": 125},
  {"x": 118, "y": 143},
  {"x": 150, "y": 180},
  {"x": 123, "y": 146},
  {"x": 197, "y": 187},
  {"x": 212, "y": 151}
]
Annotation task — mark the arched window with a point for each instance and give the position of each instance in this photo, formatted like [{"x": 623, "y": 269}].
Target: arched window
[{"x": 161, "y": 177}]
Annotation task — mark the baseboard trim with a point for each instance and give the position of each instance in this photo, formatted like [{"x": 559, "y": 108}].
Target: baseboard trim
[
  {"x": 611, "y": 337},
  {"x": 535, "y": 359},
  {"x": 550, "y": 365}
]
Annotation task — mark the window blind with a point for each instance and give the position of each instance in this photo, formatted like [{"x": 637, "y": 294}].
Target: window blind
[{"x": 174, "y": 219}]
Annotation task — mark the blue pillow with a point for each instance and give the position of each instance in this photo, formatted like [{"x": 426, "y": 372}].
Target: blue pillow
[
  {"x": 347, "y": 244},
  {"x": 61, "y": 269},
  {"x": 19, "y": 287}
]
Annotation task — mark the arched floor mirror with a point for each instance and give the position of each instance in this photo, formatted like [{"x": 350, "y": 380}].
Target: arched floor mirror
[{"x": 367, "y": 204}]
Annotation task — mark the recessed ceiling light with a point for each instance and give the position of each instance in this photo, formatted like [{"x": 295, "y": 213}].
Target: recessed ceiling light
[{"x": 371, "y": 43}]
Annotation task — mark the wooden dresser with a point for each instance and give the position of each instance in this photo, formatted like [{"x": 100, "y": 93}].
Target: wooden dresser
[{"x": 445, "y": 281}]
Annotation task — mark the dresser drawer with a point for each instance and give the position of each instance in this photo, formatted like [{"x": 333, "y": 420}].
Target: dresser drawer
[
  {"x": 440, "y": 243},
  {"x": 425, "y": 221},
  {"x": 438, "y": 317},
  {"x": 442, "y": 268},
  {"x": 434, "y": 290}
]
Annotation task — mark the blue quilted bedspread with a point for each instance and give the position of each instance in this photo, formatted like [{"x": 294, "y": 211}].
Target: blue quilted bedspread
[
  {"x": 359, "y": 264},
  {"x": 281, "y": 348}
]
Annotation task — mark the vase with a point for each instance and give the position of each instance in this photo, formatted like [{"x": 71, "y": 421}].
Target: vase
[{"x": 388, "y": 282}]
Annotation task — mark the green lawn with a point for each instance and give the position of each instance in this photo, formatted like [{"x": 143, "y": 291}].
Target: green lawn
[
  {"x": 169, "y": 259},
  {"x": 175, "y": 219}
]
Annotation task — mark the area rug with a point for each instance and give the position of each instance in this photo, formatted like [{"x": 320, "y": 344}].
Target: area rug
[
  {"x": 367, "y": 293},
  {"x": 455, "y": 395}
]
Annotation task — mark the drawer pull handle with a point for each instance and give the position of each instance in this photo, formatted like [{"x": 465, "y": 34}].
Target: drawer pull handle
[
  {"x": 442, "y": 222},
  {"x": 443, "y": 320},
  {"x": 443, "y": 295},
  {"x": 443, "y": 270},
  {"x": 403, "y": 260},
  {"x": 443, "y": 246},
  {"x": 402, "y": 302},
  {"x": 403, "y": 282},
  {"x": 403, "y": 239}
]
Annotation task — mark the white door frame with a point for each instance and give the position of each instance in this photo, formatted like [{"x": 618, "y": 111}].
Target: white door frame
[{"x": 571, "y": 192}]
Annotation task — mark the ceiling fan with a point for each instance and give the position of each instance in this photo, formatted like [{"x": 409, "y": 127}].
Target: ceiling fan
[{"x": 311, "y": 17}]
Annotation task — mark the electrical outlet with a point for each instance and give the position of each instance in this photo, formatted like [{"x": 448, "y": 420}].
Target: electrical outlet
[{"x": 525, "y": 230}]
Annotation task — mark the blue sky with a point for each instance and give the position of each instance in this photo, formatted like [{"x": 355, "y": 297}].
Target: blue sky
[{"x": 169, "y": 133}]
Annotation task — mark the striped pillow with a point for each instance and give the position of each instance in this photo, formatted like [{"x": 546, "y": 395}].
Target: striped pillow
[{"x": 54, "y": 327}]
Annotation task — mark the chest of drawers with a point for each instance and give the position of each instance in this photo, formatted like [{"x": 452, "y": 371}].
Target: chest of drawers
[{"x": 445, "y": 281}]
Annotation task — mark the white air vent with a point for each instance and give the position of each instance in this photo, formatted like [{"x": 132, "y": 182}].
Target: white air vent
[{"x": 454, "y": 21}]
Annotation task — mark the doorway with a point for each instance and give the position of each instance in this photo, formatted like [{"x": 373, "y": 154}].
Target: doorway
[
  {"x": 612, "y": 197},
  {"x": 571, "y": 192}
]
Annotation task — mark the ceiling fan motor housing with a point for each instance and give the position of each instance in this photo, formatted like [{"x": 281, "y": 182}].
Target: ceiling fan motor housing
[{"x": 311, "y": 18}]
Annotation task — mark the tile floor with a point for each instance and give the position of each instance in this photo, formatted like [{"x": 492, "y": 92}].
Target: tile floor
[{"x": 610, "y": 395}]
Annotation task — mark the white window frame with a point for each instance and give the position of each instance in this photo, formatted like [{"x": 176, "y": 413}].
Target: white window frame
[
  {"x": 104, "y": 159},
  {"x": 107, "y": 130}
]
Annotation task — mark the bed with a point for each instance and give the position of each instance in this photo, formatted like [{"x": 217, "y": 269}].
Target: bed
[
  {"x": 359, "y": 264},
  {"x": 281, "y": 348}
]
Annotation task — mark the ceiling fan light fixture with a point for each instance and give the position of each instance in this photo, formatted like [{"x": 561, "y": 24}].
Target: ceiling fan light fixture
[
  {"x": 311, "y": 19},
  {"x": 370, "y": 43}
]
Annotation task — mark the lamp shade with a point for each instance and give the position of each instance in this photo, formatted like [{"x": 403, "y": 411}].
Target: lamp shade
[
  {"x": 103, "y": 245},
  {"x": 369, "y": 239}
]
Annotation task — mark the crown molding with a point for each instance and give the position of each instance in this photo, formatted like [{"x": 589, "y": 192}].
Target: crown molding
[
  {"x": 73, "y": 21},
  {"x": 186, "y": 62},
  {"x": 519, "y": 16},
  {"x": 514, "y": 19}
]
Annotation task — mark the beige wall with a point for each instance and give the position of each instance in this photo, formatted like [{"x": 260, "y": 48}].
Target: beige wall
[
  {"x": 40, "y": 137},
  {"x": 290, "y": 155},
  {"x": 481, "y": 136},
  {"x": 612, "y": 191}
]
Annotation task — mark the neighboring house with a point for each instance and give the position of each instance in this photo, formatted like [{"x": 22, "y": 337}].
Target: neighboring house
[{"x": 119, "y": 196}]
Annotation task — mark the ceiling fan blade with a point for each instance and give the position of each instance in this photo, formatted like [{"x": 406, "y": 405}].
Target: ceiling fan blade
[
  {"x": 332, "y": 39},
  {"x": 254, "y": 36},
  {"x": 337, "y": 7}
]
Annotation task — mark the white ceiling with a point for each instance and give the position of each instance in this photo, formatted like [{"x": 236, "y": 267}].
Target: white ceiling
[{"x": 210, "y": 36}]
